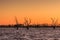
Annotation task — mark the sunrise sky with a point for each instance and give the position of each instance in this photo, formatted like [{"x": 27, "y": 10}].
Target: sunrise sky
[{"x": 39, "y": 11}]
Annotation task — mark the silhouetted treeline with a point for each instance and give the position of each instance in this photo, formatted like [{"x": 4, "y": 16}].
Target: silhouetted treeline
[{"x": 28, "y": 26}]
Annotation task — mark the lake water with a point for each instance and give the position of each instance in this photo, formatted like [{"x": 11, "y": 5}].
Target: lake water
[{"x": 31, "y": 34}]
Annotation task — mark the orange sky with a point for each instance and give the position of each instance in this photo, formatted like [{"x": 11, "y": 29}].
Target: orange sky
[{"x": 39, "y": 11}]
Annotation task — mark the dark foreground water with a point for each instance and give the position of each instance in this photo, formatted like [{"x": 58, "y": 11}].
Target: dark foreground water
[{"x": 31, "y": 34}]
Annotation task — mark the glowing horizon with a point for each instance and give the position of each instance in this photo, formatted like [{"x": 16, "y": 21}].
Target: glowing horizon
[{"x": 39, "y": 11}]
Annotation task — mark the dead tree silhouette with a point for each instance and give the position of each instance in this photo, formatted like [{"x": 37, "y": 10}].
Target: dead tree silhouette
[
  {"x": 27, "y": 22},
  {"x": 54, "y": 22},
  {"x": 16, "y": 22}
]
